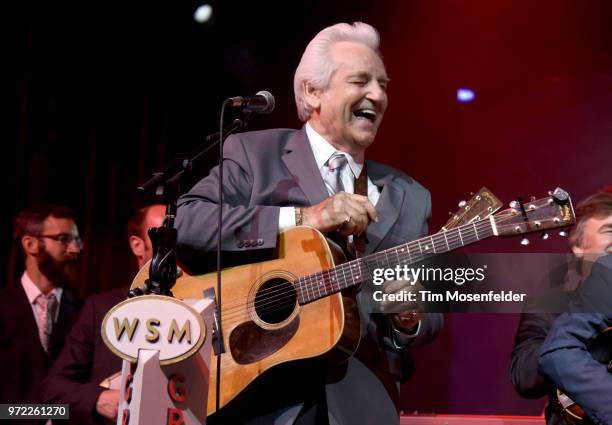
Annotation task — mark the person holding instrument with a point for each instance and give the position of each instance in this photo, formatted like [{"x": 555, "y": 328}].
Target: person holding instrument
[{"x": 318, "y": 176}]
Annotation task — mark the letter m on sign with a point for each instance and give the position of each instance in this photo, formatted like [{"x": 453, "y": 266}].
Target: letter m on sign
[
  {"x": 125, "y": 327},
  {"x": 184, "y": 332}
]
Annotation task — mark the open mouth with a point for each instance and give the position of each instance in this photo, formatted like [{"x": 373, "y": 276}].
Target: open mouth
[{"x": 365, "y": 113}]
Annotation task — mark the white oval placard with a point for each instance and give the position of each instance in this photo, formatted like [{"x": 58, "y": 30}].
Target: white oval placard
[{"x": 153, "y": 322}]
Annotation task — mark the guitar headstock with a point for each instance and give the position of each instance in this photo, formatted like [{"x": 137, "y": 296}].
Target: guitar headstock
[
  {"x": 480, "y": 206},
  {"x": 537, "y": 215}
]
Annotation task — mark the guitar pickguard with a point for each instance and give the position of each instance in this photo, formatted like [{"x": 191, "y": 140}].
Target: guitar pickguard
[{"x": 250, "y": 343}]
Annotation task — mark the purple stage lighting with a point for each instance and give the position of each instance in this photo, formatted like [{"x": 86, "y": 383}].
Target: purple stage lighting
[{"x": 465, "y": 95}]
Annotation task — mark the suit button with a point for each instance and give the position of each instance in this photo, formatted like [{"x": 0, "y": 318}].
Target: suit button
[
  {"x": 260, "y": 241},
  {"x": 240, "y": 244}
]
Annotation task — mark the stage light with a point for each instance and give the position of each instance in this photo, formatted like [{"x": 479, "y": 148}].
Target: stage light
[
  {"x": 465, "y": 95},
  {"x": 203, "y": 13}
]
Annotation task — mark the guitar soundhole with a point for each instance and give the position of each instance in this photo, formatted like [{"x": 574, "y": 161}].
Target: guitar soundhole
[{"x": 275, "y": 300}]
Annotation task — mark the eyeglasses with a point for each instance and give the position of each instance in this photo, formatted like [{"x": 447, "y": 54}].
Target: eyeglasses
[{"x": 65, "y": 239}]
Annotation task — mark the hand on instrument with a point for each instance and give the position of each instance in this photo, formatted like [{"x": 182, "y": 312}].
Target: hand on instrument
[
  {"x": 407, "y": 321},
  {"x": 404, "y": 314},
  {"x": 347, "y": 213},
  {"x": 401, "y": 308}
]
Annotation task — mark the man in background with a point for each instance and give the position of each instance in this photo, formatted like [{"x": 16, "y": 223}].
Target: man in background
[
  {"x": 565, "y": 355},
  {"x": 586, "y": 239},
  {"x": 85, "y": 360},
  {"x": 37, "y": 311}
]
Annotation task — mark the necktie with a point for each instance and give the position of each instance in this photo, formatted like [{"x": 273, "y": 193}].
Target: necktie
[
  {"x": 333, "y": 177},
  {"x": 333, "y": 180},
  {"x": 46, "y": 307}
]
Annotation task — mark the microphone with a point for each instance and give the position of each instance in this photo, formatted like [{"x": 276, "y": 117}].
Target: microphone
[{"x": 262, "y": 102}]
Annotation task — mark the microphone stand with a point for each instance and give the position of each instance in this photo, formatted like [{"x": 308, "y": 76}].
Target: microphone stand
[
  {"x": 157, "y": 182},
  {"x": 163, "y": 268},
  {"x": 167, "y": 184}
]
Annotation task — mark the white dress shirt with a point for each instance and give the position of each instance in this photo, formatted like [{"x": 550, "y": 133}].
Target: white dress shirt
[{"x": 32, "y": 292}]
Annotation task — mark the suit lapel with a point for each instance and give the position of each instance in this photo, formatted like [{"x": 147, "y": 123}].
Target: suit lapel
[
  {"x": 68, "y": 312},
  {"x": 388, "y": 207},
  {"x": 69, "y": 308},
  {"x": 300, "y": 162}
]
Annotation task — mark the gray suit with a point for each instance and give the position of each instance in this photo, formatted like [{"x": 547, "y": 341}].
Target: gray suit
[{"x": 262, "y": 172}]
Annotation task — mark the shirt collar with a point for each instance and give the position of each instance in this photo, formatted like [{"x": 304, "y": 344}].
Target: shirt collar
[
  {"x": 32, "y": 291},
  {"x": 323, "y": 150}
]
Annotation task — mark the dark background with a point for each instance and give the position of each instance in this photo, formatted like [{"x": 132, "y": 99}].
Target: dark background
[{"x": 97, "y": 96}]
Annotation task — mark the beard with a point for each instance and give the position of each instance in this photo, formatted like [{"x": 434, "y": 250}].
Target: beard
[{"x": 60, "y": 272}]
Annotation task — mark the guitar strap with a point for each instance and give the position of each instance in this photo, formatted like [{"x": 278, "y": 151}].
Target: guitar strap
[{"x": 361, "y": 188}]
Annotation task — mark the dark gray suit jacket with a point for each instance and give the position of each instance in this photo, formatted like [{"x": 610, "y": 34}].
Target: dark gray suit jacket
[{"x": 264, "y": 171}]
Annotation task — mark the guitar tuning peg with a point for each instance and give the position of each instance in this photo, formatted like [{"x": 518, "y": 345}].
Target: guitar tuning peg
[
  {"x": 524, "y": 241},
  {"x": 462, "y": 204},
  {"x": 513, "y": 204},
  {"x": 532, "y": 198},
  {"x": 450, "y": 213},
  {"x": 471, "y": 193},
  {"x": 544, "y": 236},
  {"x": 563, "y": 233}
]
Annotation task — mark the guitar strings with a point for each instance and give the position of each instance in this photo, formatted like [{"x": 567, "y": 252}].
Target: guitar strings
[
  {"x": 286, "y": 296},
  {"x": 308, "y": 279},
  {"x": 289, "y": 298},
  {"x": 311, "y": 282},
  {"x": 287, "y": 293}
]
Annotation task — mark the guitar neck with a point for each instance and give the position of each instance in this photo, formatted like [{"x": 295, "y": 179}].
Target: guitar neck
[{"x": 353, "y": 273}]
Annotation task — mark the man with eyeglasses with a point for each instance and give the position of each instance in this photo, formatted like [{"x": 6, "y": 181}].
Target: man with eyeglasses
[{"x": 37, "y": 312}]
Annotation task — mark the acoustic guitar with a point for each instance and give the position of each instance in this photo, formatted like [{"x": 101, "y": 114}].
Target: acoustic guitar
[{"x": 292, "y": 307}]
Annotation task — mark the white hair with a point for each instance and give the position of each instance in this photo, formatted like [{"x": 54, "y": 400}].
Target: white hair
[{"x": 316, "y": 66}]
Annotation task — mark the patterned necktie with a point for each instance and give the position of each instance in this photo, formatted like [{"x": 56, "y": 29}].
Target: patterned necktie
[
  {"x": 333, "y": 177},
  {"x": 46, "y": 308},
  {"x": 333, "y": 181}
]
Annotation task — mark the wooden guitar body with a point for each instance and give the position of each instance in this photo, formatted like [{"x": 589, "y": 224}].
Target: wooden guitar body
[{"x": 263, "y": 324}]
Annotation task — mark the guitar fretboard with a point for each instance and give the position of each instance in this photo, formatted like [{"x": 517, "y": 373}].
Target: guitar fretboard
[{"x": 352, "y": 273}]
